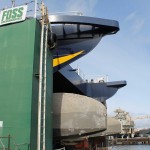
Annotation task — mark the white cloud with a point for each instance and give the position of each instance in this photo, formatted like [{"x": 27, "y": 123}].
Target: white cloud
[
  {"x": 138, "y": 25},
  {"x": 131, "y": 16},
  {"x": 135, "y": 21}
]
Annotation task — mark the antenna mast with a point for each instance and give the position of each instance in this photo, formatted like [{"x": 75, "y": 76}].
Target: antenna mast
[{"x": 13, "y": 3}]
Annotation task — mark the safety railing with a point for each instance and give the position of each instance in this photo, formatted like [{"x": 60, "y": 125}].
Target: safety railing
[
  {"x": 76, "y": 13},
  {"x": 5, "y": 142}
]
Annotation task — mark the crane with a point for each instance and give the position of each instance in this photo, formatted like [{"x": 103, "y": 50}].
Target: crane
[{"x": 140, "y": 117}]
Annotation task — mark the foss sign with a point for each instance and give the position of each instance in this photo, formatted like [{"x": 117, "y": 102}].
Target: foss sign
[{"x": 12, "y": 15}]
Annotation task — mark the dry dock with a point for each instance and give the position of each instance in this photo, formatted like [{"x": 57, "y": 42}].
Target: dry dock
[{"x": 130, "y": 141}]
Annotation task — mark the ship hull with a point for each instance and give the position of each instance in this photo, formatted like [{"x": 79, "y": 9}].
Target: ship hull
[
  {"x": 77, "y": 115},
  {"x": 75, "y": 36}
]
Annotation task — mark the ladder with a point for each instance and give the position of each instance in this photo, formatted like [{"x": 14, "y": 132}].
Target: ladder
[{"x": 42, "y": 80}]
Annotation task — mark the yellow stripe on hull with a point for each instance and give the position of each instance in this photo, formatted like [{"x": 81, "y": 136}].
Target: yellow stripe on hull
[{"x": 63, "y": 59}]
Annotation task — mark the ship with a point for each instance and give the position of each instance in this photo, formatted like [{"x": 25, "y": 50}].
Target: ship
[{"x": 79, "y": 105}]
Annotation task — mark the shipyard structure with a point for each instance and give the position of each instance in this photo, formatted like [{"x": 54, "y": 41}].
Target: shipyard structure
[
  {"x": 128, "y": 133},
  {"x": 44, "y": 102}
]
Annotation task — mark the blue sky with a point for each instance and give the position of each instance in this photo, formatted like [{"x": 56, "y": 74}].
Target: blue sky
[{"x": 123, "y": 56}]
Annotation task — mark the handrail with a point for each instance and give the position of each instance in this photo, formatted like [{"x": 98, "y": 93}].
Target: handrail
[{"x": 3, "y": 146}]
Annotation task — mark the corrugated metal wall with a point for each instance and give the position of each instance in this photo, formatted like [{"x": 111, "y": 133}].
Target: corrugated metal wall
[{"x": 19, "y": 62}]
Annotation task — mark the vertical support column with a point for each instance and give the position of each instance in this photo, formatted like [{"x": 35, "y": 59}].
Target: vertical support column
[
  {"x": 45, "y": 82},
  {"x": 35, "y": 7},
  {"x": 8, "y": 142},
  {"x": 40, "y": 83}
]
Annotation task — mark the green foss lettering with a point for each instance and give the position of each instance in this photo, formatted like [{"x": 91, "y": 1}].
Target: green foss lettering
[
  {"x": 20, "y": 12},
  {"x": 12, "y": 14}
]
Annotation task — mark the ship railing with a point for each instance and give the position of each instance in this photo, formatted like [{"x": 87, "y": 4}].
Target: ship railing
[
  {"x": 34, "y": 8},
  {"x": 91, "y": 78},
  {"x": 76, "y": 13},
  {"x": 96, "y": 78}
]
